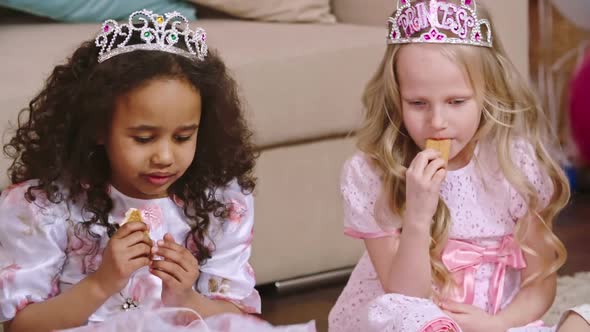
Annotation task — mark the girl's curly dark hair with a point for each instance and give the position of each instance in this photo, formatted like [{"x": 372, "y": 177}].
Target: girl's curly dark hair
[{"x": 57, "y": 143}]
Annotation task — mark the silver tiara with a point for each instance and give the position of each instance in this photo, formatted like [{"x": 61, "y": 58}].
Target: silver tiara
[
  {"x": 156, "y": 38},
  {"x": 438, "y": 21}
]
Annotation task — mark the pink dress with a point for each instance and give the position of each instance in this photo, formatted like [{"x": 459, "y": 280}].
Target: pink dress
[
  {"x": 43, "y": 252},
  {"x": 484, "y": 209}
]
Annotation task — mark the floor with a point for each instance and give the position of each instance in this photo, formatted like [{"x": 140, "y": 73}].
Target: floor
[{"x": 572, "y": 227}]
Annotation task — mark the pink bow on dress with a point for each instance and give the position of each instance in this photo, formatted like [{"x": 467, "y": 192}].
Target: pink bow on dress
[{"x": 464, "y": 258}]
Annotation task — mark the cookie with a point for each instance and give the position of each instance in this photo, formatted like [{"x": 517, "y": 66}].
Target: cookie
[
  {"x": 133, "y": 215},
  {"x": 443, "y": 146}
]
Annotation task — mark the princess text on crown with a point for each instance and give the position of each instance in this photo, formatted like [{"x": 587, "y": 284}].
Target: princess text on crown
[
  {"x": 439, "y": 21},
  {"x": 164, "y": 35}
]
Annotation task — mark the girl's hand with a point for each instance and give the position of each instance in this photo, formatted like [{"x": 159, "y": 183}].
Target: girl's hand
[
  {"x": 423, "y": 180},
  {"x": 471, "y": 318},
  {"x": 127, "y": 251},
  {"x": 179, "y": 271}
]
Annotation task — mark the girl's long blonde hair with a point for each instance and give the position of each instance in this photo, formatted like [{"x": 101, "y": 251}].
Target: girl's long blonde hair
[{"x": 509, "y": 110}]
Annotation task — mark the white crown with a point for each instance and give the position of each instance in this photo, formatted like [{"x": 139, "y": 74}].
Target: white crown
[
  {"x": 440, "y": 22},
  {"x": 156, "y": 38}
]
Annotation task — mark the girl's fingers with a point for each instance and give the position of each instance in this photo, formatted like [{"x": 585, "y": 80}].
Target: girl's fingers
[
  {"x": 172, "y": 256},
  {"x": 139, "y": 250},
  {"x": 136, "y": 238},
  {"x": 433, "y": 167},
  {"x": 129, "y": 228},
  {"x": 169, "y": 238},
  {"x": 138, "y": 263},
  {"x": 169, "y": 268},
  {"x": 422, "y": 159},
  {"x": 186, "y": 259},
  {"x": 439, "y": 177},
  {"x": 166, "y": 278},
  {"x": 170, "y": 243}
]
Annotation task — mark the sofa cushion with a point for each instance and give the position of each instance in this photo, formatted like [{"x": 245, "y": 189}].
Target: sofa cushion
[
  {"x": 298, "y": 81},
  {"x": 298, "y": 229},
  {"x": 308, "y": 11},
  {"x": 96, "y": 11}
]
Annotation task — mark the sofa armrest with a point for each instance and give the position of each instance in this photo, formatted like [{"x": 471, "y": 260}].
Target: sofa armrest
[{"x": 365, "y": 12}]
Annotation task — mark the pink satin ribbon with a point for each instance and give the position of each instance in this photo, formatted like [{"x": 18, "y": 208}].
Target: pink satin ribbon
[
  {"x": 442, "y": 324},
  {"x": 464, "y": 258}
]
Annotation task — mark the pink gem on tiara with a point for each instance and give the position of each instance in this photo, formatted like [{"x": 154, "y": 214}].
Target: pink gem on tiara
[
  {"x": 438, "y": 21},
  {"x": 106, "y": 28},
  {"x": 434, "y": 35},
  {"x": 431, "y": 35}
]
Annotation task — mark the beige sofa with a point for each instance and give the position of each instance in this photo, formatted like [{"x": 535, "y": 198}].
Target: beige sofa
[{"x": 302, "y": 85}]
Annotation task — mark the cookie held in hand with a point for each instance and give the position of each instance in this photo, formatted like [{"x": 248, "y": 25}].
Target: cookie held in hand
[
  {"x": 134, "y": 215},
  {"x": 443, "y": 146}
]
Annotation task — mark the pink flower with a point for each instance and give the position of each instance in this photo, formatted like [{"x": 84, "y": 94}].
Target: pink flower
[
  {"x": 237, "y": 211},
  {"x": 92, "y": 263},
  {"x": 78, "y": 245},
  {"x": 191, "y": 245},
  {"x": 142, "y": 287},
  {"x": 83, "y": 246},
  {"x": 152, "y": 215},
  {"x": 210, "y": 246},
  {"x": 7, "y": 275}
]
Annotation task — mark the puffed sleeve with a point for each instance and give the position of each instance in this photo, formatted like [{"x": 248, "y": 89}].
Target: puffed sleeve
[
  {"x": 33, "y": 238},
  {"x": 525, "y": 159},
  {"x": 360, "y": 186},
  {"x": 227, "y": 275}
]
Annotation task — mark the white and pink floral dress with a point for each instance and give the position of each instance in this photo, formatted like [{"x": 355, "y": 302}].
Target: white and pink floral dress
[
  {"x": 44, "y": 251},
  {"x": 481, "y": 253}
]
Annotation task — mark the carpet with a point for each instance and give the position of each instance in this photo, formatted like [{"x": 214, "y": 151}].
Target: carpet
[{"x": 571, "y": 291}]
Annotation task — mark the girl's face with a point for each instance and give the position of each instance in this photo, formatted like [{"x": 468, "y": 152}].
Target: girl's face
[
  {"x": 153, "y": 137},
  {"x": 437, "y": 100}
]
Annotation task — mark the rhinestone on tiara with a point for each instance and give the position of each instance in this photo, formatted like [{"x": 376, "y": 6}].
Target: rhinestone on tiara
[
  {"x": 440, "y": 22},
  {"x": 166, "y": 33}
]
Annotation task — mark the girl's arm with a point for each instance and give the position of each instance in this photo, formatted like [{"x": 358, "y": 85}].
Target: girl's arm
[
  {"x": 207, "y": 307},
  {"x": 533, "y": 300},
  {"x": 126, "y": 252},
  {"x": 69, "y": 309},
  {"x": 403, "y": 262}
]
